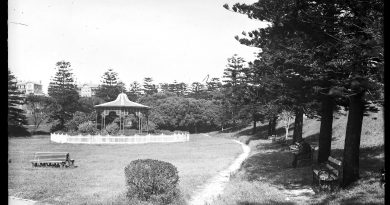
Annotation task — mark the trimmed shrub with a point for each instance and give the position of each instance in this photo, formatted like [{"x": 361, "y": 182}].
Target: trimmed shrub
[
  {"x": 87, "y": 128},
  {"x": 152, "y": 180}
]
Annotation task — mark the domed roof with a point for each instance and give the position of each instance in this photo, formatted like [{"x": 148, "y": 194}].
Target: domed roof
[{"x": 122, "y": 101}]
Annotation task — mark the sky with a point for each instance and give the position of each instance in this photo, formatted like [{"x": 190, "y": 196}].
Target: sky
[{"x": 167, "y": 40}]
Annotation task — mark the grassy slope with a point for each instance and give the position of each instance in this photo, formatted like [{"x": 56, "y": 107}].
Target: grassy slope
[
  {"x": 99, "y": 177},
  {"x": 267, "y": 172}
]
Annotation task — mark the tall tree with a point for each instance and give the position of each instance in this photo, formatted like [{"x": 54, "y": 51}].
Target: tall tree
[
  {"x": 63, "y": 89},
  {"x": 214, "y": 84},
  {"x": 233, "y": 78},
  {"x": 135, "y": 91},
  {"x": 350, "y": 32},
  {"x": 16, "y": 116},
  {"x": 197, "y": 90},
  {"x": 149, "y": 87},
  {"x": 110, "y": 86}
]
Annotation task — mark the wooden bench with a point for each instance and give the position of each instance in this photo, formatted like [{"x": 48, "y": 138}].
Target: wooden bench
[
  {"x": 328, "y": 174},
  {"x": 52, "y": 159}
]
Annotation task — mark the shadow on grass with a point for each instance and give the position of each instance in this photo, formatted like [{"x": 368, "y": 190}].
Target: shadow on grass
[
  {"x": 272, "y": 164},
  {"x": 261, "y": 132}
]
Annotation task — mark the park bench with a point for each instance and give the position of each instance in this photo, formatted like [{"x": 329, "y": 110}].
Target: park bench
[
  {"x": 328, "y": 174},
  {"x": 52, "y": 159}
]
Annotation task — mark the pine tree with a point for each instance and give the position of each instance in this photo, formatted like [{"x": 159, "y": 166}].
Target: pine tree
[
  {"x": 63, "y": 89},
  {"x": 110, "y": 87},
  {"x": 149, "y": 87},
  {"x": 233, "y": 77},
  {"x": 16, "y": 116},
  {"x": 135, "y": 91},
  {"x": 343, "y": 44}
]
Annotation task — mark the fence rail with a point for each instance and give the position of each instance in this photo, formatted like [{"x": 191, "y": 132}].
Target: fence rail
[{"x": 136, "y": 139}]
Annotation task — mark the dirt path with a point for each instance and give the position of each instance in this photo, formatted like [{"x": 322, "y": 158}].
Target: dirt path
[
  {"x": 18, "y": 201},
  {"x": 215, "y": 185}
]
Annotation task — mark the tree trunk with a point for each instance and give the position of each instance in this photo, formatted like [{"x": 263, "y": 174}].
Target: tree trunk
[
  {"x": 325, "y": 138},
  {"x": 273, "y": 126},
  {"x": 352, "y": 139},
  {"x": 254, "y": 125},
  {"x": 269, "y": 127},
  {"x": 286, "y": 128},
  {"x": 298, "y": 124}
]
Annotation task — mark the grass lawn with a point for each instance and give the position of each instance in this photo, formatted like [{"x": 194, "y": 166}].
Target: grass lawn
[
  {"x": 99, "y": 177},
  {"x": 267, "y": 173}
]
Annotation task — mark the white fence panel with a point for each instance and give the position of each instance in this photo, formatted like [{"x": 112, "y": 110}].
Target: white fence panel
[{"x": 136, "y": 139}]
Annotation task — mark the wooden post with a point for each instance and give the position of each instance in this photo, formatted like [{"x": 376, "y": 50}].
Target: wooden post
[
  {"x": 147, "y": 123},
  {"x": 101, "y": 122},
  {"x": 120, "y": 119},
  {"x": 96, "y": 122},
  {"x": 104, "y": 119},
  {"x": 139, "y": 122}
]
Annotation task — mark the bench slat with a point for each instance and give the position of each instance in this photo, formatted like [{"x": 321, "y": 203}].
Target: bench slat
[
  {"x": 46, "y": 161},
  {"x": 334, "y": 161},
  {"x": 332, "y": 170}
]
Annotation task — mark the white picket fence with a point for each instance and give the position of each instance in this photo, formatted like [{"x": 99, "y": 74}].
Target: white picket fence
[{"x": 136, "y": 139}]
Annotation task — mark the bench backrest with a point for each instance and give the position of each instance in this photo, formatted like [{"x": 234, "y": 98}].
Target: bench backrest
[
  {"x": 51, "y": 156},
  {"x": 334, "y": 165}
]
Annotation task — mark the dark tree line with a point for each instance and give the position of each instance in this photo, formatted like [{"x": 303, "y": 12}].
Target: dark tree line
[{"x": 320, "y": 55}]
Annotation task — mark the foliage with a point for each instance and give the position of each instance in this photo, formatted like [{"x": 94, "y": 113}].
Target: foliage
[
  {"x": 79, "y": 118},
  {"x": 41, "y": 108},
  {"x": 172, "y": 112},
  {"x": 180, "y": 89},
  {"x": 332, "y": 48},
  {"x": 152, "y": 180},
  {"x": 135, "y": 91},
  {"x": 16, "y": 117},
  {"x": 110, "y": 87},
  {"x": 87, "y": 103},
  {"x": 286, "y": 116},
  {"x": 87, "y": 128},
  {"x": 63, "y": 89},
  {"x": 112, "y": 128},
  {"x": 148, "y": 87}
]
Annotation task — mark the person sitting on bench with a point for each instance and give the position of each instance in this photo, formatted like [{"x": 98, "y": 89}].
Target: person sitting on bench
[{"x": 304, "y": 151}]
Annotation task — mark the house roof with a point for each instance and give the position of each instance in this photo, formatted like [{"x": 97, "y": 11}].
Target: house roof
[{"x": 122, "y": 101}]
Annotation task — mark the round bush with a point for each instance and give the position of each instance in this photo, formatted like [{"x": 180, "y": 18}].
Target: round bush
[
  {"x": 87, "y": 128},
  {"x": 152, "y": 180}
]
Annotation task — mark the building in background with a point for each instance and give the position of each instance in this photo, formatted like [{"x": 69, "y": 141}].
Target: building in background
[
  {"x": 30, "y": 87},
  {"x": 87, "y": 89}
]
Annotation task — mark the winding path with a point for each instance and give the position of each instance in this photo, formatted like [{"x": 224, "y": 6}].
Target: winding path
[
  {"x": 215, "y": 185},
  {"x": 18, "y": 201}
]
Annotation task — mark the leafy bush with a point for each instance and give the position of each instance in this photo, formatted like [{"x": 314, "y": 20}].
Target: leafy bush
[
  {"x": 87, "y": 128},
  {"x": 77, "y": 119},
  {"x": 152, "y": 180},
  {"x": 165, "y": 132},
  {"x": 104, "y": 133},
  {"x": 112, "y": 128}
]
